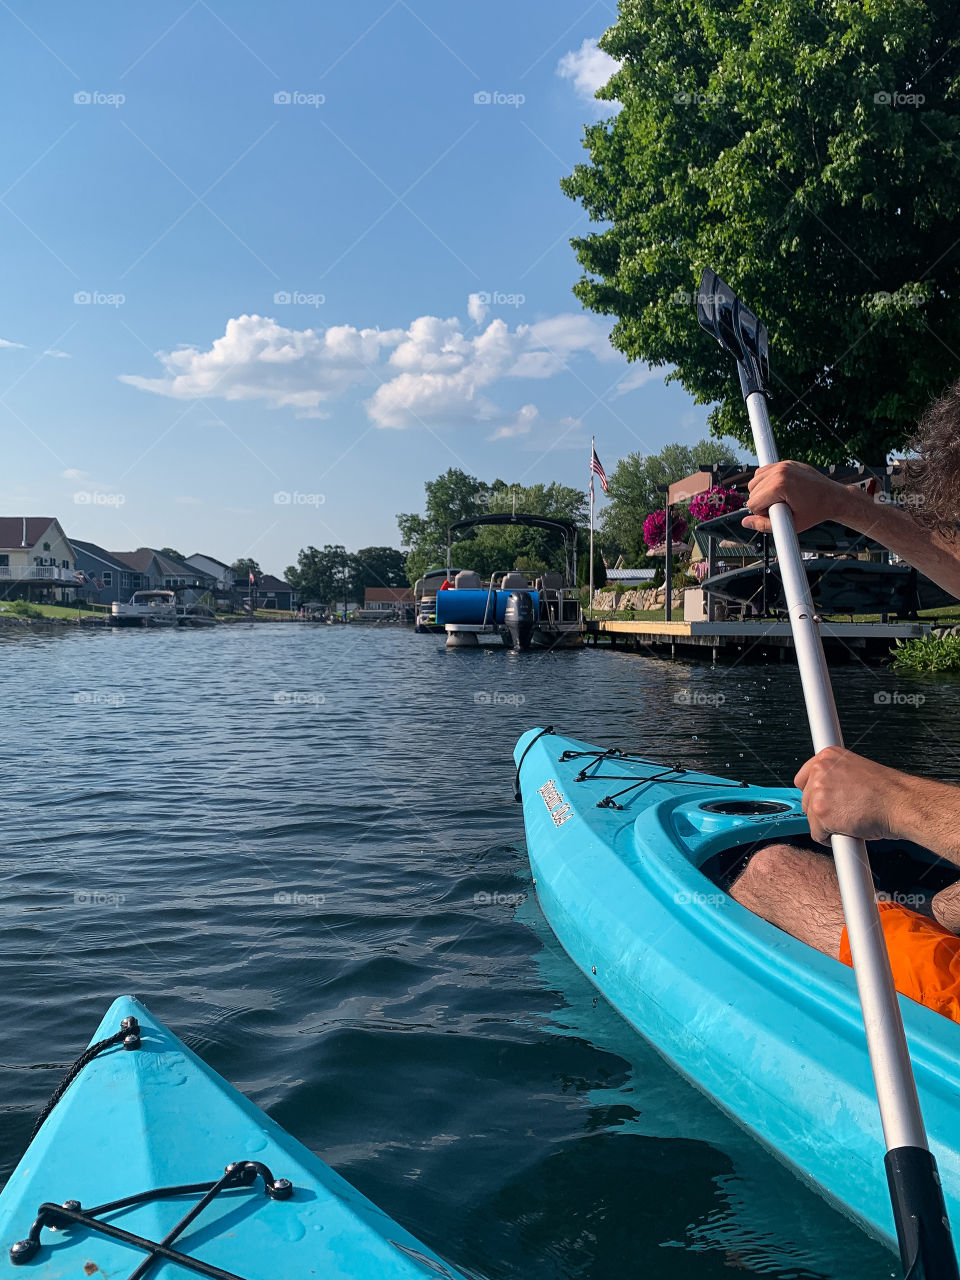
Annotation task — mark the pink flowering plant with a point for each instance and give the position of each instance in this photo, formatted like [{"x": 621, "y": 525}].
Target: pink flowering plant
[
  {"x": 715, "y": 502},
  {"x": 655, "y": 528}
]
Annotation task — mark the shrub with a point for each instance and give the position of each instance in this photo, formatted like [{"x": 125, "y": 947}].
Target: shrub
[
  {"x": 928, "y": 653},
  {"x": 24, "y": 609}
]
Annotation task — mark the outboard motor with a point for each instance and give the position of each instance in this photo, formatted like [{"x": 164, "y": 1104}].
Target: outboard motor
[{"x": 518, "y": 619}]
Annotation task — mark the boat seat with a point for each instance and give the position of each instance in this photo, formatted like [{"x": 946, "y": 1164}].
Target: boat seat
[
  {"x": 514, "y": 582},
  {"x": 467, "y": 580},
  {"x": 551, "y": 582}
]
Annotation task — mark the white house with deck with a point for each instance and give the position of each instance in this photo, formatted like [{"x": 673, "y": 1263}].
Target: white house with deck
[{"x": 37, "y": 561}]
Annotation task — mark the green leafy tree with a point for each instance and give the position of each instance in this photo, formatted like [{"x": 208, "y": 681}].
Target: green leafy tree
[
  {"x": 321, "y": 575},
  {"x": 768, "y": 141},
  {"x": 174, "y": 555},
  {"x": 376, "y": 567},
  {"x": 490, "y": 547},
  {"x": 634, "y": 490},
  {"x": 450, "y": 497},
  {"x": 243, "y": 569}
]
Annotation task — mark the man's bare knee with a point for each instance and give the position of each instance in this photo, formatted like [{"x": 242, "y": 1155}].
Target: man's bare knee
[
  {"x": 946, "y": 906},
  {"x": 796, "y": 890},
  {"x": 766, "y": 875}
]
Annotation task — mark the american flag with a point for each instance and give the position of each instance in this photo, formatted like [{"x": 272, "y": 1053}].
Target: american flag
[{"x": 596, "y": 469}]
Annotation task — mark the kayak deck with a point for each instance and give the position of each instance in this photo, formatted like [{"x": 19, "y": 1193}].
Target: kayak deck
[
  {"x": 156, "y": 1117},
  {"x": 766, "y": 1026}
]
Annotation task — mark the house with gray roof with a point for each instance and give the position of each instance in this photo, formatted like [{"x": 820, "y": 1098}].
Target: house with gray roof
[
  {"x": 163, "y": 572},
  {"x": 105, "y": 577}
]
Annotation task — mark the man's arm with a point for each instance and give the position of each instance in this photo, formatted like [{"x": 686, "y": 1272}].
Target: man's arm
[
  {"x": 813, "y": 497},
  {"x": 843, "y": 792}
]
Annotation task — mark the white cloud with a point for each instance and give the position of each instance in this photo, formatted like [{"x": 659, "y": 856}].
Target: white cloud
[
  {"x": 476, "y": 308},
  {"x": 58, "y": 355},
  {"x": 5, "y": 342},
  {"x": 429, "y": 373},
  {"x": 258, "y": 359},
  {"x": 639, "y": 376},
  {"x": 521, "y": 425},
  {"x": 74, "y": 473},
  {"x": 589, "y": 68}
]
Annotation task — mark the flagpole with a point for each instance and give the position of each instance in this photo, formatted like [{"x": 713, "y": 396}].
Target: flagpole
[{"x": 592, "y": 452}]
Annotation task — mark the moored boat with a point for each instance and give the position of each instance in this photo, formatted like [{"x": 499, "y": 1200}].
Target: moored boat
[
  {"x": 195, "y": 615},
  {"x": 517, "y": 609},
  {"x": 147, "y": 1132},
  {"x": 838, "y": 586},
  {"x": 631, "y": 861},
  {"x": 146, "y": 609}
]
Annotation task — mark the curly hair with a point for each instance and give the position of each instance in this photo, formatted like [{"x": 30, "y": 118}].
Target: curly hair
[{"x": 932, "y": 486}]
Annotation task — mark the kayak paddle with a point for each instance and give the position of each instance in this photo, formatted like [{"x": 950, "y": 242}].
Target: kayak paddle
[{"x": 923, "y": 1231}]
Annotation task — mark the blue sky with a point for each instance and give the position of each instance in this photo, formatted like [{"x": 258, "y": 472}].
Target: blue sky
[{"x": 254, "y": 252}]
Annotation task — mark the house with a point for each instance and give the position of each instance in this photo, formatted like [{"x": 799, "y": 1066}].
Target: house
[
  {"x": 227, "y": 586},
  {"x": 274, "y": 593},
  {"x": 100, "y": 567},
  {"x": 388, "y": 602},
  {"x": 37, "y": 560},
  {"x": 226, "y": 578},
  {"x": 161, "y": 572}
]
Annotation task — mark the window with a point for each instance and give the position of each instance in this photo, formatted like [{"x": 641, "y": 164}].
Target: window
[
  {"x": 4, "y": 562},
  {"x": 107, "y": 578},
  {"x": 46, "y": 546},
  {"x": 64, "y": 564}
]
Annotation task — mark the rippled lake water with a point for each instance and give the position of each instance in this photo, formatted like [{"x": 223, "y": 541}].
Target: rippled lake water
[{"x": 299, "y": 846}]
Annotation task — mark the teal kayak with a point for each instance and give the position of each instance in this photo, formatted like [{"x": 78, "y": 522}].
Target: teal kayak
[
  {"x": 631, "y": 859},
  {"x": 150, "y": 1163}
]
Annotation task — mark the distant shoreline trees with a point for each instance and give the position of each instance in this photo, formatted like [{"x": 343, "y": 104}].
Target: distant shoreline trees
[{"x": 456, "y": 494}]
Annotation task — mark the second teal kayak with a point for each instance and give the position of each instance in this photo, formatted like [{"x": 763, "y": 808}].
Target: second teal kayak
[
  {"x": 141, "y": 1138},
  {"x": 630, "y": 859}
]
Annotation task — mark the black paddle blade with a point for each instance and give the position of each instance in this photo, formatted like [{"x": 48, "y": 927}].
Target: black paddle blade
[{"x": 737, "y": 329}]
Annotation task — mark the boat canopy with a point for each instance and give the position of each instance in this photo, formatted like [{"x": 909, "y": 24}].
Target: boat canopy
[{"x": 553, "y": 524}]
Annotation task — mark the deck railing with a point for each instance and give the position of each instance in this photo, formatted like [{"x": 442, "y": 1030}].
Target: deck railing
[{"x": 38, "y": 573}]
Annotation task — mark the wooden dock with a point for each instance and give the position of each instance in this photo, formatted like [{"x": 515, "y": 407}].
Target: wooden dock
[{"x": 765, "y": 640}]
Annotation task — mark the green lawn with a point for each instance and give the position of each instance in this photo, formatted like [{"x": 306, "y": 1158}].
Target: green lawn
[{"x": 68, "y": 611}]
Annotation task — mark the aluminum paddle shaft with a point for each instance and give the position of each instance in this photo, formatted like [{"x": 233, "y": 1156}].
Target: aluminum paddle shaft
[
  {"x": 889, "y": 1057},
  {"x": 923, "y": 1232}
]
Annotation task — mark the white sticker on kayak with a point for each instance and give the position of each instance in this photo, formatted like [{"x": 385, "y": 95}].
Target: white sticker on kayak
[{"x": 557, "y": 807}]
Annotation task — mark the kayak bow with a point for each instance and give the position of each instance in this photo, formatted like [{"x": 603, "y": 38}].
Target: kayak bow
[{"x": 151, "y": 1126}]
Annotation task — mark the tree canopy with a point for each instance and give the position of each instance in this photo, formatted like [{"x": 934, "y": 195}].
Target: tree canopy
[
  {"x": 634, "y": 494},
  {"x": 244, "y": 567},
  {"x": 331, "y": 574},
  {"x": 805, "y": 151},
  {"x": 376, "y": 567},
  {"x": 321, "y": 576},
  {"x": 489, "y": 548}
]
